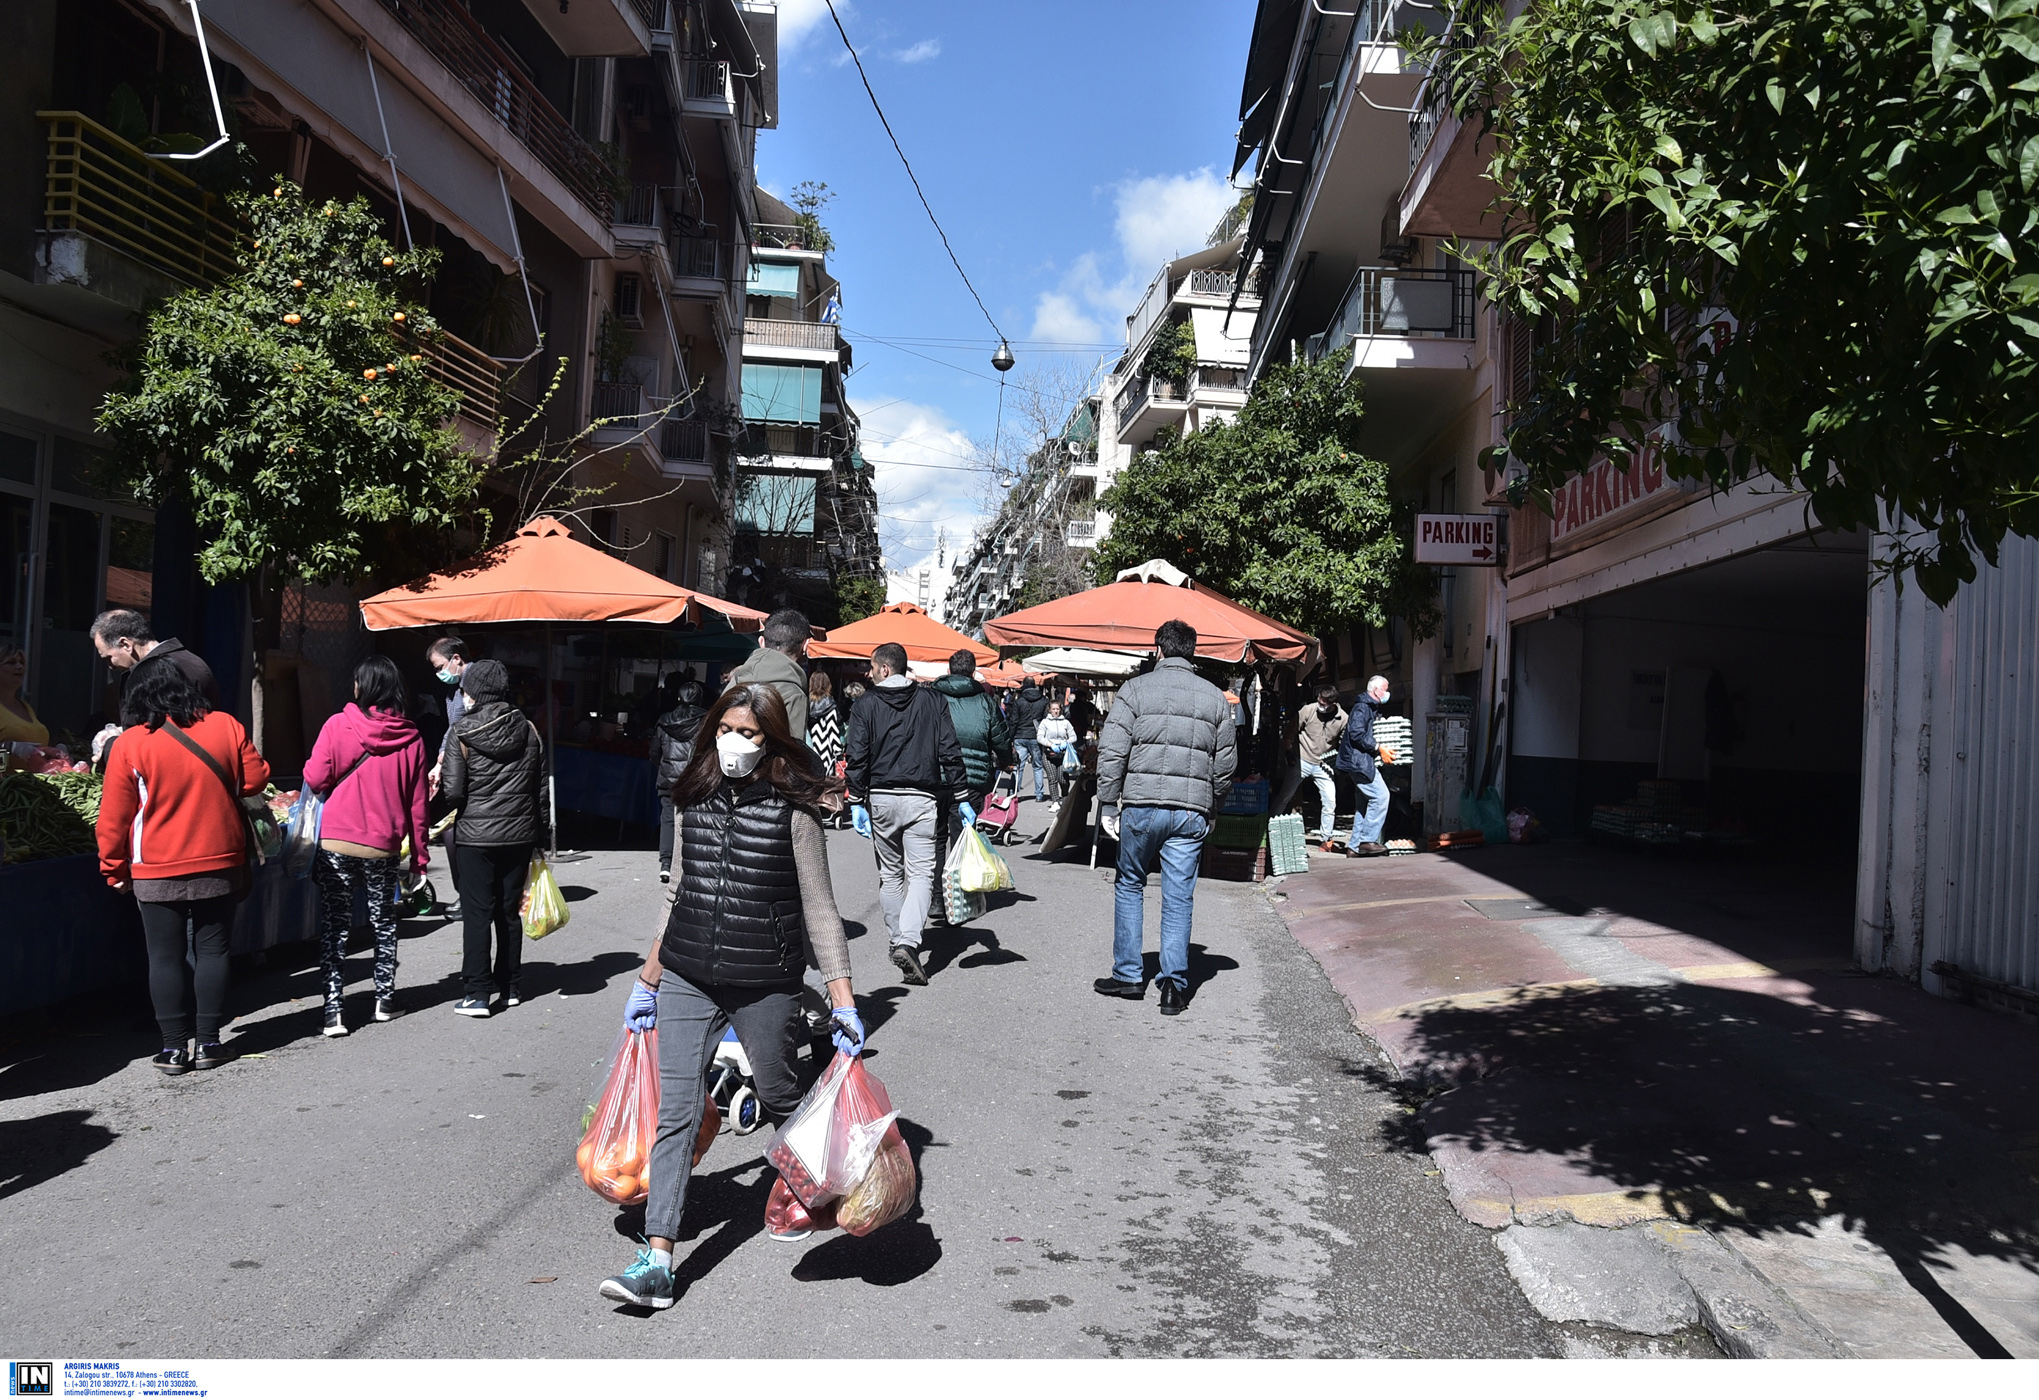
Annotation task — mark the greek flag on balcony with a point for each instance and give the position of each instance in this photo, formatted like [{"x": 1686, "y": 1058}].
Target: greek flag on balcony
[{"x": 832, "y": 314}]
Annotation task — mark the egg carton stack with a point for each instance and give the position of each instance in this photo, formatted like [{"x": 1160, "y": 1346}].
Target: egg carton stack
[
  {"x": 1287, "y": 847},
  {"x": 1394, "y": 732}
]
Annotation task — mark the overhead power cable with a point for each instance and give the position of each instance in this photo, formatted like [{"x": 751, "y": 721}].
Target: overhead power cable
[{"x": 940, "y": 232}]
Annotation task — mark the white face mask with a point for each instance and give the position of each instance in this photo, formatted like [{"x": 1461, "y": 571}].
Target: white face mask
[{"x": 740, "y": 757}]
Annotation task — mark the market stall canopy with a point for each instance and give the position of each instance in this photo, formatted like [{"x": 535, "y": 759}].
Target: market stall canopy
[
  {"x": 543, "y": 574},
  {"x": 1009, "y": 673},
  {"x": 911, "y": 627},
  {"x": 1123, "y": 616},
  {"x": 1082, "y": 661}
]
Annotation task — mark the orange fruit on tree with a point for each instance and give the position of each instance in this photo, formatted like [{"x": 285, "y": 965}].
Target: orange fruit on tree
[
  {"x": 390, "y": 262},
  {"x": 368, "y": 374},
  {"x": 398, "y": 317}
]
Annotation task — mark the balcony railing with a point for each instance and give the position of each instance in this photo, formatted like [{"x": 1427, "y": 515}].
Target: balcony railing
[
  {"x": 1143, "y": 390},
  {"x": 1080, "y": 534},
  {"x": 696, "y": 257},
  {"x": 479, "y": 64},
  {"x": 1219, "y": 282},
  {"x": 709, "y": 89},
  {"x": 623, "y": 404},
  {"x": 684, "y": 440},
  {"x": 792, "y": 335},
  {"x": 96, "y": 183},
  {"x": 1226, "y": 378},
  {"x": 1435, "y": 303},
  {"x": 468, "y": 372},
  {"x": 643, "y": 207},
  {"x": 1469, "y": 22}
]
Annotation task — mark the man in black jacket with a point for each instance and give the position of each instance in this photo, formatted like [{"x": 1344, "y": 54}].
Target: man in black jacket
[
  {"x": 904, "y": 760},
  {"x": 124, "y": 640},
  {"x": 673, "y": 745},
  {"x": 1029, "y": 708}
]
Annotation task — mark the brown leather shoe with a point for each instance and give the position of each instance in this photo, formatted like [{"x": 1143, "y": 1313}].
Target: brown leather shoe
[{"x": 1370, "y": 848}]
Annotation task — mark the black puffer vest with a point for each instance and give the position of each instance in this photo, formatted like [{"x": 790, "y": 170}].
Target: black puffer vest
[{"x": 737, "y": 919}]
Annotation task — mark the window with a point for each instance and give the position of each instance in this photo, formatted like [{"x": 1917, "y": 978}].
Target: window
[
  {"x": 629, "y": 303},
  {"x": 771, "y": 279},
  {"x": 666, "y": 557}
]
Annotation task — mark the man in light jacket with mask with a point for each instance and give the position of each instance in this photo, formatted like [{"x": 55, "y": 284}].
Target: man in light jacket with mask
[{"x": 1317, "y": 734}]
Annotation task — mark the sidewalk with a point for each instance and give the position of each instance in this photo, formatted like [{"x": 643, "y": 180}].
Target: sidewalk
[{"x": 1596, "y": 1038}]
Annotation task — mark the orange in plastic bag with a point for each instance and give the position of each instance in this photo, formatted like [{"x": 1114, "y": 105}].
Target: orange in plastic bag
[{"x": 615, "y": 1152}]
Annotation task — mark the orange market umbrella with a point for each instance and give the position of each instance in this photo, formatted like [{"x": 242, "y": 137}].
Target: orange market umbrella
[
  {"x": 1008, "y": 673},
  {"x": 1122, "y": 616},
  {"x": 923, "y": 637},
  {"x": 543, "y": 574}
]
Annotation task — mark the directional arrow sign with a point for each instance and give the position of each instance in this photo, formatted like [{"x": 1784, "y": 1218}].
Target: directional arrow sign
[{"x": 1457, "y": 539}]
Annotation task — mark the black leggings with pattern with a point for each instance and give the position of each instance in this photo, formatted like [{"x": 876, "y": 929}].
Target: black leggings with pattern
[{"x": 339, "y": 876}]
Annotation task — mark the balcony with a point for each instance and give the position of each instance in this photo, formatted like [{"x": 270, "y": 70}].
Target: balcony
[
  {"x": 1146, "y": 405},
  {"x": 600, "y": 28},
  {"x": 698, "y": 259},
  {"x": 497, "y": 81},
  {"x": 100, "y": 187},
  {"x": 643, "y": 208},
  {"x": 1399, "y": 303},
  {"x": 811, "y": 342},
  {"x": 468, "y": 372},
  {"x": 707, "y": 89},
  {"x": 804, "y": 448},
  {"x": 1448, "y": 193},
  {"x": 1221, "y": 386},
  {"x": 622, "y": 414},
  {"x": 1080, "y": 534}
]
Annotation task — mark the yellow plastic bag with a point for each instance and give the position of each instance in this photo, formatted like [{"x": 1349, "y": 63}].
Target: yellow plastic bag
[
  {"x": 544, "y": 906},
  {"x": 980, "y": 869}
]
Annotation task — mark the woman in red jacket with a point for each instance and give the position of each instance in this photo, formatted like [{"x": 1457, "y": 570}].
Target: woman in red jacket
[
  {"x": 370, "y": 764},
  {"x": 172, "y": 830}
]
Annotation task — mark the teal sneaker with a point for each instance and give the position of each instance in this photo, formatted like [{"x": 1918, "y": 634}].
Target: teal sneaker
[{"x": 643, "y": 1285}]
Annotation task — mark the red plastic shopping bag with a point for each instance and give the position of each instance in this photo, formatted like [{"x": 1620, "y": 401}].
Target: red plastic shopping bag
[
  {"x": 784, "y": 1215},
  {"x": 842, "y": 1150},
  {"x": 615, "y": 1150}
]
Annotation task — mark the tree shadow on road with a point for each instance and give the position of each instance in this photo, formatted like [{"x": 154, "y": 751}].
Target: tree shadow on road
[
  {"x": 35, "y": 1150},
  {"x": 1741, "y": 1111}
]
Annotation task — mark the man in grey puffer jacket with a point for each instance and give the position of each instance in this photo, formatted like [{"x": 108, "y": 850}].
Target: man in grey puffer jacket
[{"x": 1165, "y": 761}]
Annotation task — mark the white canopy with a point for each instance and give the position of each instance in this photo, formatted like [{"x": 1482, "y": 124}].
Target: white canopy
[
  {"x": 1082, "y": 661},
  {"x": 1213, "y": 345}
]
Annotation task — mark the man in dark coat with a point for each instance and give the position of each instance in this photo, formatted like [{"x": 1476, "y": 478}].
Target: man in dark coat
[
  {"x": 980, "y": 729},
  {"x": 1360, "y": 754},
  {"x": 124, "y": 640},
  {"x": 1028, "y": 709},
  {"x": 673, "y": 749}
]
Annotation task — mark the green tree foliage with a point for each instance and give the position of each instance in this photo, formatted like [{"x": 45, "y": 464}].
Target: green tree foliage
[
  {"x": 810, "y": 197},
  {"x": 1799, "y": 232},
  {"x": 857, "y": 599},
  {"x": 290, "y": 405},
  {"x": 1278, "y": 509},
  {"x": 1173, "y": 353}
]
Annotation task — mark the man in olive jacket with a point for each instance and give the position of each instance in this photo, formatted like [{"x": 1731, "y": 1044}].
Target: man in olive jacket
[
  {"x": 1165, "y": 760},
  {"x": 781, "y": 663},
  {"x": 980, "y": 728}
]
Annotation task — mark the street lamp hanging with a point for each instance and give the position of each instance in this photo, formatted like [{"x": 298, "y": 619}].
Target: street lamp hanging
[{"x": 1001, "y": 358}]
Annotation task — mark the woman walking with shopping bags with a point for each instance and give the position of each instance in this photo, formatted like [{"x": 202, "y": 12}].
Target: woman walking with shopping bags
[
  {"x": 753, "y": 905},
  {"x": 172, "y": 829},
  {"x": 370, "y": 764},
  {"x": 492, "y": 770}
]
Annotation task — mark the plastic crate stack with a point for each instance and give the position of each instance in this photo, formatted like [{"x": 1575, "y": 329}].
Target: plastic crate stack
[{"x": 1287, "y": 847}]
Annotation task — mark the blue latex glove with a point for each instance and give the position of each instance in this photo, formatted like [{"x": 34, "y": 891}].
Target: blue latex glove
[
  {"x": 967, "y": 813},
  {"x": 640, "y": 1013},
  {"x": 860, "y": 818},
  {"x": 847, "y": 1030}
]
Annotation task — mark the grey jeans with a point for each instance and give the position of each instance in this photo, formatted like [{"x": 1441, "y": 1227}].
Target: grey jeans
[
  {"x": 691, "y": 1021},
  {"x": 903, "y": 832}
]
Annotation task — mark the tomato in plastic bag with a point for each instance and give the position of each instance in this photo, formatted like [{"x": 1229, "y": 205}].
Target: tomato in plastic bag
[
  {"x": 784, "y": 1214},
  {"x": 886, "y": 1192}
]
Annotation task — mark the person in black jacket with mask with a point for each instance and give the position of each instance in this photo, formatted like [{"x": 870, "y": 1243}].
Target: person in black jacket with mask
[
  {"x": 673, "y": 745},
  {"x": 1029, "y": 708},
  {"x": 492, "y": 771},
  {"x": 904, "y": 761},
  {"x": 753, "y": 908}
]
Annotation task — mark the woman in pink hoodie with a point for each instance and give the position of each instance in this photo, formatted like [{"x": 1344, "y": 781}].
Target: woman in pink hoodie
[{"x": 369, "y": 765}]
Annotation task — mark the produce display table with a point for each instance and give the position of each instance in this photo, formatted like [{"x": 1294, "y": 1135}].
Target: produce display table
[
  {"x": 603, "y": 784},
  {"x": 66, "y": 933}
]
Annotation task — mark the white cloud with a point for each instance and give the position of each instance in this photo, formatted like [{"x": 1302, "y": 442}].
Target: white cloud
[
  {"x": 921, "y": 52},
  {"x": 1157, "y": 218},
  {"x": 920, "y": 458},
  {"x": 797, "y": 18}
]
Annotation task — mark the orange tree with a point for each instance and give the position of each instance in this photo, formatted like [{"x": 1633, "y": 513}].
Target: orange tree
[{"x": 289, "y": 406}]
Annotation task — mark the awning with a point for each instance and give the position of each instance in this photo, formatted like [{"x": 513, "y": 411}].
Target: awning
[
  {"x": 1082, "y": 661},
  {"x": 1215, "y": 347},
  {"x": 1123, "y": 616},
  {"x": 543, "y": 574},
  {"x": 923, "y": 637},
  {"x": 772, "y": 279},
  {"x": 781, "y": 393},
  {"x": 1267, "y": 67}
]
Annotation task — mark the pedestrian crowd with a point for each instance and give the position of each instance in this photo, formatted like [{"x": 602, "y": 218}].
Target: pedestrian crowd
[{"x": 748, "y": 782}]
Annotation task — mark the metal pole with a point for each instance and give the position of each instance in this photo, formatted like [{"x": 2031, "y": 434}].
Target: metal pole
[{"x": 551, "y": 750}]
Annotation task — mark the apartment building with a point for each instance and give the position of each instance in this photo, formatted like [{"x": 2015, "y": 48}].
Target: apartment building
[
  {"x": 804, "y": 505},
  {"x": 1648, "y": 628},
  {"x": 1036, "y": 543},
  {"x": 585, "y": 172}
]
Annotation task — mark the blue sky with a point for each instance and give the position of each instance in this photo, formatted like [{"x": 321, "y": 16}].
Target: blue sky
[{"x": 1068, "y": 149}]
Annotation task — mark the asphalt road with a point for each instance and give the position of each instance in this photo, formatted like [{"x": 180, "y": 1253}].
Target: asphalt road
[{"x": 1096, "y": 1179}]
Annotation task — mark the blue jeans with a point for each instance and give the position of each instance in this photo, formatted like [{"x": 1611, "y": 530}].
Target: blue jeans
[
  {"x": 1028, "y": 751},
  {"x": 1177, "y": 838},
  {"x": 1327, "y": 794},
  {"x": 1367, "y": 823}
]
